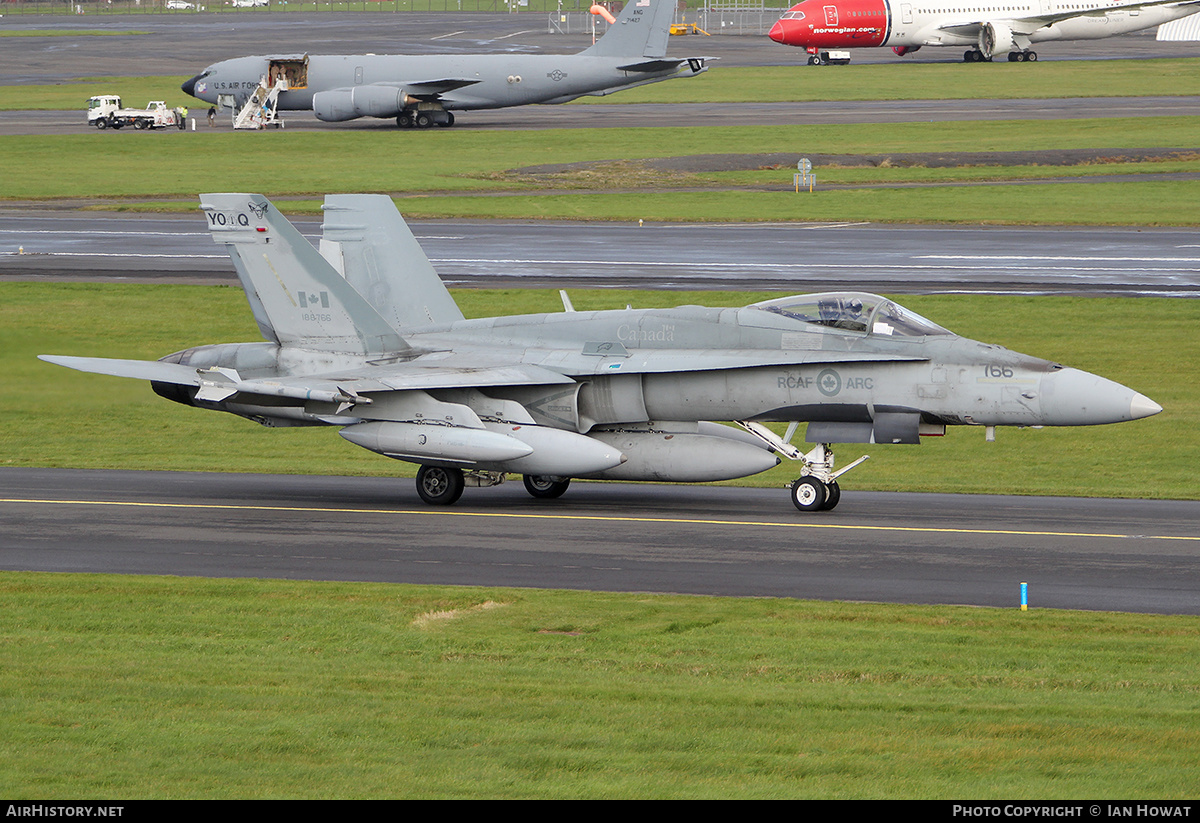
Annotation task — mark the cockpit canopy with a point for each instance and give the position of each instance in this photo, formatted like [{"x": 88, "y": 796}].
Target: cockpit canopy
[{"x": 852, "y": 311}]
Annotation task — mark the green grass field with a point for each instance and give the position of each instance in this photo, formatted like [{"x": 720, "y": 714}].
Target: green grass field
[
  {"x": 149, "y": 687},
  {"x": 469, "y": 174}
]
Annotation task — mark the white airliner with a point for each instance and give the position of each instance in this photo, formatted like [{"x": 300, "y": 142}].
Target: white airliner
[{"x": 988, "y": 28}]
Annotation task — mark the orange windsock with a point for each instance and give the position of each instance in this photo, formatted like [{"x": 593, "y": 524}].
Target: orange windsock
[{"x": 603, "y": 12}]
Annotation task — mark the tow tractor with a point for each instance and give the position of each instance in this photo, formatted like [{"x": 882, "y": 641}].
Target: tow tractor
[
  {"x": 829, "y": 58},
  {"x": 105, "y": 112}
]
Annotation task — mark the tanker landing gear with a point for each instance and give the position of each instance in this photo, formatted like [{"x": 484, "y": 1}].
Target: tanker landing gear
[{"x": 424, "y": 118}]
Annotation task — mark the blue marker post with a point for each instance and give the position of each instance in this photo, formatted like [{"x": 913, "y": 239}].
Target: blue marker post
[{"x": 1024, "y": 597}]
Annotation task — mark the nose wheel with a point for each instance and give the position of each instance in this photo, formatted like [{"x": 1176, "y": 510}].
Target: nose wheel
[{"x": 811, "y": 495}]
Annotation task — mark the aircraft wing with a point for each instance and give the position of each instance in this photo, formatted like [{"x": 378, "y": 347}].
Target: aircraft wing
[
  {"x": 430, "y": 89},
  {"x": 344, "y": 387},
  {"x": 1031, "y": 23}
]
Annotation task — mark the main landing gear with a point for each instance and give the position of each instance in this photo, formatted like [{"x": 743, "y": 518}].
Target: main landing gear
[
  {"x": 545, "y": 486},
  {"x": 424, "y": 118},
  {"x": 441, "y": 486},
  {"x": 977, "y": 56}
]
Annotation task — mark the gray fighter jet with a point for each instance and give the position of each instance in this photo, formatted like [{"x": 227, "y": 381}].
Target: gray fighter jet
[
  {"x": 362, "y": 335},
  {"x": 424, "y": 90}
]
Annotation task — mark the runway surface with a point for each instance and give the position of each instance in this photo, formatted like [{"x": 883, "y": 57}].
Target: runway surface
[
  {"x": 1112, "y": 555},
  {"x": 791, "y": 257}
]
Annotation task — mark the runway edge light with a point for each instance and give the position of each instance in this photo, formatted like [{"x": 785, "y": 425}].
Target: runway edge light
[{"x": 1024, "y": 597}]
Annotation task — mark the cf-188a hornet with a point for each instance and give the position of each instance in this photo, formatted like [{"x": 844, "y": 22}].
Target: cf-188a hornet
[
  {"x": 989, "y": 29},
  {"x": 362, "y": 335},
  {"x": 425, "y": 90}
]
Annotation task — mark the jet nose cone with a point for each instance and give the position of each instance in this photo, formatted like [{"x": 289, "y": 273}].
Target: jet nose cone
[
  {"x": 189, "y": 85},
  {"x": 1142, "y": 406},
  {"x": 1071, "y": 397},
  {"x": 776, "y": 33}
]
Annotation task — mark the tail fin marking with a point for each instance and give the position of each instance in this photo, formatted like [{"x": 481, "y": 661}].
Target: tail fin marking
[{"x": 298, "y": 299}]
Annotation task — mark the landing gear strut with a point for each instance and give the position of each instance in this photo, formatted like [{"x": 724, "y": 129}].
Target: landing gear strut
[{"x": 816, "y": 489}]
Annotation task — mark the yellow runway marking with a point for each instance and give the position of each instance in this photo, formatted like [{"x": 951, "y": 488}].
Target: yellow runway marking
[{"x": 599, "y": 518}]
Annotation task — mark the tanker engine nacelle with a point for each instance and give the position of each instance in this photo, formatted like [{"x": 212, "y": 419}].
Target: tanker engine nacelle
[
  {"x": 996, "y": 38},
  {"x": 361, "y": 101}
]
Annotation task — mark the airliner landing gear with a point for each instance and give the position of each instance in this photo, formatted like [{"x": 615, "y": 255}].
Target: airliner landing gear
[
  {"x": 975, "y": 56},
  {"x": 1022, "y": 56}
]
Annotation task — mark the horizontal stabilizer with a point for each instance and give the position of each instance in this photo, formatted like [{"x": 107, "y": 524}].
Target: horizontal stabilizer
[
  {"x": 654, "y": 65},
  {"x": 137, "y": 369}
]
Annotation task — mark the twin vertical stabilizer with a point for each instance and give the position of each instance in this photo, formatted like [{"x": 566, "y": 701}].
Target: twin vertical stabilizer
[
  {"x": 367, "y": 240},
  {"x": 297, "y": 297}
]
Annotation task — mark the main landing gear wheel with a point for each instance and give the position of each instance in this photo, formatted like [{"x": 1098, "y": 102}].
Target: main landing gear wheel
[
  {"x": 811, "y": 495},
  {"x": 545, "y": 486},
  {"x": 440, "y": 486},
  {"x": 404, "y": 120}
]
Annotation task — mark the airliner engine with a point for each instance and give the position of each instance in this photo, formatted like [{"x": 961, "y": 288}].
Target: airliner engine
[{"x": 994, "y": 39}]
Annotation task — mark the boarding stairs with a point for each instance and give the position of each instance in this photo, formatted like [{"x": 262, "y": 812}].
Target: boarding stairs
[{"x": 261, "y": 110}]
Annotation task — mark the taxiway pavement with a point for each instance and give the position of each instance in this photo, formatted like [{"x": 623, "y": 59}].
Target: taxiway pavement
[{"x": 1111, "y": 555}]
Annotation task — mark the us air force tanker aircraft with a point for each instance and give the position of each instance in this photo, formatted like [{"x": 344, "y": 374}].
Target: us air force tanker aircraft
[
  {"x": 988, "y": 29},
  {"x": 362, "y": 335},
  {"x": 425, "y": 90}
]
